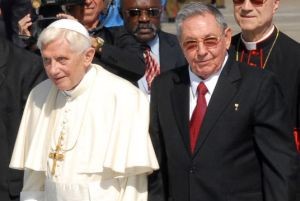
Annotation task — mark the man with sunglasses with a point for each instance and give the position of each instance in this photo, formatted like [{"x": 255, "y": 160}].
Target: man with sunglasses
[
  {"x": 215, "y": 123},
  {"x": 261, "y": 44},
  {"x": 142, "y": 20}
]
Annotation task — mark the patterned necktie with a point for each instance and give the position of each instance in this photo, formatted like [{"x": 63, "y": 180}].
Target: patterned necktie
[
  {"x": 198, "y": 115},
  {"x": 152, "y": 67}
]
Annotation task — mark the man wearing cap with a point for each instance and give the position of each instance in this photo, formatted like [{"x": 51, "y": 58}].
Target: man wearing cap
[{"x": 84, "y": 132}]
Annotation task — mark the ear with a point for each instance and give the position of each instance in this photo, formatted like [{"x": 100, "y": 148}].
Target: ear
[
  {"x": 276, "y": 5},
  {"x": 88, "y": 56},
  {"x": 228, "y": 35}
]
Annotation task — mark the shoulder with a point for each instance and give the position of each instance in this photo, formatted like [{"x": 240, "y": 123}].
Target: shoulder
[
  {"x": 118, "y": 91},
  {"x": 235, "y": 38},
  {"x": 116, "y": 29},
  {"x": 284, "y": 41},
  {"x": 234, "y": 43},
  {"x": 10, "y": 53},
  {"x": 176, "y": 72},
  {"x": 169, "y": 78},
  {"x": 249, "y": 82},
  {"x": 168, "y": 37},
  {"x": 114, "y": 84},
  {"x": 24, "y": 55},
  {"x": 122, "y": 37},
  {"x": 41, "y": 91},
  {"x": 20, "y": 65},
  {"x": 234, "y": 70}
]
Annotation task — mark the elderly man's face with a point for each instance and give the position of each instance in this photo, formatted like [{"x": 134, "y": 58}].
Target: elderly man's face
[
  {"x": 204, "y": 44},
  {"x": 88, "y": 14},
  {"x": 64, "y": 67},
  {"x": 142, "y": 18},
  {"x": 255, "y": 18}
]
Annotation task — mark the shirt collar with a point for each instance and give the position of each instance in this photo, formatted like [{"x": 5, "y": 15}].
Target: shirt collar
[
  {"x": 253, "y": 45},
  {"x": 82, "y": 86},
  {"x": 154, "y": 45},
  {"x": 210, "y": 82}
]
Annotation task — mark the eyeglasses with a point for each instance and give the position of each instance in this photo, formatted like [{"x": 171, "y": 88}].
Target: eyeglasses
[
  {"x": 254, "y": 2},
  {"x": 151, "y": 12},
  {"x": 208, "y": 42}
]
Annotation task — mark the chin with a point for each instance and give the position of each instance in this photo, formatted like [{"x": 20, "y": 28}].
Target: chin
[
  {"x": 247, "y": 25},
  {"x": 247, "y": 29},
  {"x": 63, "y": 87},
  {"x": 145, "y": 37}
]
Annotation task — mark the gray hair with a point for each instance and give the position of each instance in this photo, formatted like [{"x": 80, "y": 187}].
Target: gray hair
[
  {"x": 78, "y": 42},
  {"x": 198, "y": 8}
]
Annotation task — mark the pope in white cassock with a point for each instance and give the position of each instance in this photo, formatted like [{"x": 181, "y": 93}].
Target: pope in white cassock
[{"x": 84, "y": 131}]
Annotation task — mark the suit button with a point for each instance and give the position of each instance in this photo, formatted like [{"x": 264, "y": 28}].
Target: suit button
[{"x": 192, "y": 170}]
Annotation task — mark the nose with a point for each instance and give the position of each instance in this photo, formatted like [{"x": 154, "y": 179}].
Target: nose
[
  {"x": 247, "y": 5},
  {"x": 144, "y": 17},
  {"x": 87, "y": 1},
  {"x": 52, "y": 68},
  {"x": 202, "y": 49}
]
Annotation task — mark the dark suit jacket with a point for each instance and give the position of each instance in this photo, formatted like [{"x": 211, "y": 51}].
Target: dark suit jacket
[
  {"x": 242, "y": 154},
  {"x": 123, "y": 54},
  {"x": 20, "y": 70},
  {"x": 171, "y": 55},
  {"x": 284, "y": 61}
]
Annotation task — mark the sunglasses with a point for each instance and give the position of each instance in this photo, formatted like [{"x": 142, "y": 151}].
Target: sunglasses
[
  {"x": 151, "y": 12},
  {"x": 208, "y": 42},
  {"x": 254, "y": 2}
]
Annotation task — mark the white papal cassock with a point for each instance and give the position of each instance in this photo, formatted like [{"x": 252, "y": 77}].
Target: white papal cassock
[{"x": 106, "y": 148}]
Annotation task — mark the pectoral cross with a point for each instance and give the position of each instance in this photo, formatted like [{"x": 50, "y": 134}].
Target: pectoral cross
[{"x": 56, "y": 156}]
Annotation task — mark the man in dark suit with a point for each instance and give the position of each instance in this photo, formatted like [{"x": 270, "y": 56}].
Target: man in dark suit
[
  {"x": 142, "y": 19},
  {"x": 262, "y": 45},
  {"x": 20, "y": 71},
  {"x": 243, "y": 148}
]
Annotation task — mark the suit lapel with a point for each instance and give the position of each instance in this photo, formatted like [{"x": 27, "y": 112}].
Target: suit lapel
[
  {"x": 4, "y": 55},
  {"x": 2, "y": 76},
  {"x": 167, "y": 58},
  {"x": 224, "y": 91},
  {"x": 180, "y": 104}
]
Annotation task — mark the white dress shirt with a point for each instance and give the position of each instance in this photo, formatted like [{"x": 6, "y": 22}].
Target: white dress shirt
[
  {"x": 210, "y": 84},
  {"x": 142, "y": 83}
]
